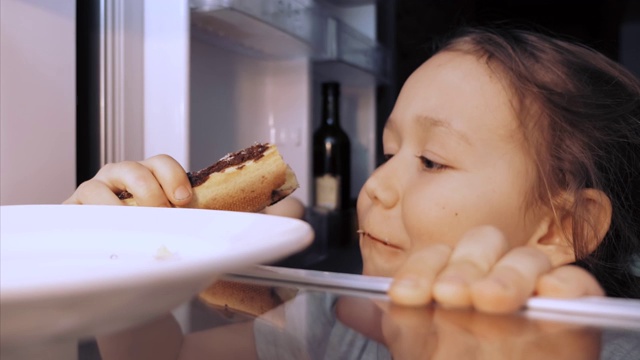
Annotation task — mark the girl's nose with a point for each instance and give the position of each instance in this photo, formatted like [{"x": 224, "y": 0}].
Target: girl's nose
[{"x": 382, "y": 186}]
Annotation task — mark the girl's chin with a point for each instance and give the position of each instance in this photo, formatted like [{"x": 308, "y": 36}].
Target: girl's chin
[
  {"x": 380, "y": 260},
  {"x": 378, "y": 267},
  {"x": 374, "y": 270}
]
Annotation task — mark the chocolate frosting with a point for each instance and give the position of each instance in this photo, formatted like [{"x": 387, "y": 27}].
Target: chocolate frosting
[{"x": 254, "y": 152}]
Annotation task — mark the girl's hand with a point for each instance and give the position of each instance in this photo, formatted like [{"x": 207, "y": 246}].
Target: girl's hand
[
  {"x": 480, "y": 273},
  {"x": 157, "y": 181}
]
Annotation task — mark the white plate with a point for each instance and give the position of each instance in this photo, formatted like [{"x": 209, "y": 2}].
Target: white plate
[{"x": 68, "y": 272}]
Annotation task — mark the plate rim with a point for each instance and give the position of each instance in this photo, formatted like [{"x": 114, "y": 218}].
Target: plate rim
[{"x": 195, "y": 268}]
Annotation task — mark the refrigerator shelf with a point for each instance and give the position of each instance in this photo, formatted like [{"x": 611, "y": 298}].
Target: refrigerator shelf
[
  {"x": 347, "y": 48},
  {"x": 348, "y": 3},
  {"x": 286, "y": 29},
  {"x": 268, "y": 29}
]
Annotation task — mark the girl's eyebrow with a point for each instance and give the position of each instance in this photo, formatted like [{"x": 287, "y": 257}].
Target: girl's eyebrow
[{"x": 427, "y": 123}]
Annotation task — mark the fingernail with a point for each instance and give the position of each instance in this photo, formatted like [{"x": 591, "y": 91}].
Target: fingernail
[
  {"x": 452, "y": 291},
  {"x": 182, "y": 193},
  {"x": 410, "y": 291},
  {"x": 450, "y": 284}
]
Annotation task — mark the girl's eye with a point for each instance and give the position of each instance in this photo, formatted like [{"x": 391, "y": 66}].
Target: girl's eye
[{"x": 431, "y": 165}]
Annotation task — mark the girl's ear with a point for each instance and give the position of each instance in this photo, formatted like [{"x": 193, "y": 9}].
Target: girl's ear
[{"x": 555, "y": 235}]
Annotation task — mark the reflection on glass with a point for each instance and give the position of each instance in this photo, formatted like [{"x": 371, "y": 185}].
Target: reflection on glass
[{"x": 316, "y": 325}]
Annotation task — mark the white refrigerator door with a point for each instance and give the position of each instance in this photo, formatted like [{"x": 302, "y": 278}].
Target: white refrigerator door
[
  {"x": 37, "y": 101},
  {"x": 144, "y": 72},
  {"x": 166, "y": 79},
  {"x": 144, "y": 85}
]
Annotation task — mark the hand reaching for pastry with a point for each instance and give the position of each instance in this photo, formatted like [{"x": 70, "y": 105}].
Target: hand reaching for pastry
[{"x": 156, "y": 181}]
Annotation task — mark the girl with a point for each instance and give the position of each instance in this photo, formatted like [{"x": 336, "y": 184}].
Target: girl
[{"x": 513, "y": 169}]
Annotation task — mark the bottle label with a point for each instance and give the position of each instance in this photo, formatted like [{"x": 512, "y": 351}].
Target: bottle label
[{"x": 328, "y": 191}]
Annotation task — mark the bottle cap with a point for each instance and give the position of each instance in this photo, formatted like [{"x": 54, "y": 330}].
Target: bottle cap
[{"x": 331, "y": 87}]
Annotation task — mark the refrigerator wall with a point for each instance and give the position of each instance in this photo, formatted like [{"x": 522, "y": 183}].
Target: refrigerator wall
[{"x": 255, "y": 74}]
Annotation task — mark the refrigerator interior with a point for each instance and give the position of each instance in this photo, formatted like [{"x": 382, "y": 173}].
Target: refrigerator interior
[{"x": 255, "y": 73}]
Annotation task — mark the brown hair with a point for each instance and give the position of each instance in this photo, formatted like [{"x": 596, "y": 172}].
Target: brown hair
[{"x": 581, "y": 113}]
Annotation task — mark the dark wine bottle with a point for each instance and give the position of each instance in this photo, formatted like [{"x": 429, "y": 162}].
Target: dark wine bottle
[{"x": 331, "y": 154}]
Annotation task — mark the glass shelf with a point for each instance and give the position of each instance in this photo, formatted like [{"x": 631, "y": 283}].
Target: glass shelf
[
  {"x": 349, "y": 3},
  {"x": 270, "y": 29},
  {"x": 285, "y": 29},
  {"x": 345, "y": 46}
]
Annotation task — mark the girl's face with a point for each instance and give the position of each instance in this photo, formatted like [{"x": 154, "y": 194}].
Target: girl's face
[{"x": 457, "y": 159}]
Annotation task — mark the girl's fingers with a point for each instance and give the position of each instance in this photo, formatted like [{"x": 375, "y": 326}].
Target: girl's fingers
[
  {"x": 135, "y": 178},
  {"x": 511, "y": 281},
  {"x": 172, "y": 178},
  {"x": 93, "y": 192},
  {"x": 481, "y": 272},
  {"x": 472, "y": 259},
  {"x": 157, "y": 181},
  {"x": 413, "y": 282},
  {"x": 568, "y": 281}
]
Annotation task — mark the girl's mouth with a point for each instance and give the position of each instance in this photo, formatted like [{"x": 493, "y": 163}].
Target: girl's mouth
[{"x": 384, "y": 242}]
